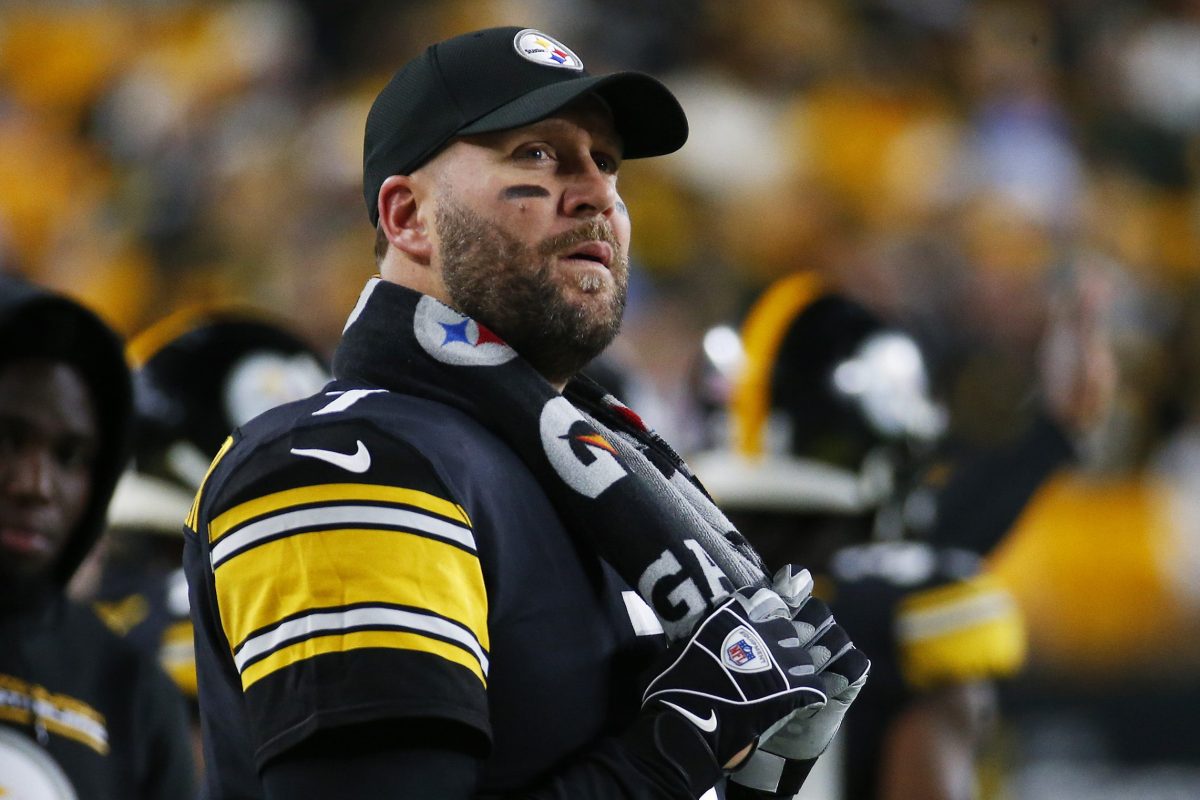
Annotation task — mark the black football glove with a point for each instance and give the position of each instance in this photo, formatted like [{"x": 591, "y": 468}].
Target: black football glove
[
  {"x": 783, "y": 758},
  {"x": 742, "y": 673}
]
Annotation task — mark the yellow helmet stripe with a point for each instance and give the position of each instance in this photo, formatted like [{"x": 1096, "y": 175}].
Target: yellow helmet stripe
[
  {"x": 158, "y": 335},
  {"x": 762, "y": 335}
]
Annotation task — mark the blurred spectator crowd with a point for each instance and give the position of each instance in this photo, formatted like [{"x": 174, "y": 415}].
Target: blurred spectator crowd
[
  {"x": 950, "y": 163},
  {"x": 961, "y": 167}
]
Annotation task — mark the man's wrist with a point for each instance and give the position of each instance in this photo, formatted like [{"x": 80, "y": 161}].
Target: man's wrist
[
  {"x": 673, "y": 748},
  {"x": 766, "y": 774}
]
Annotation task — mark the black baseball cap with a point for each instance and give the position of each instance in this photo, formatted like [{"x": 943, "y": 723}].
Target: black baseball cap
[{"x": 496, "y": 79}]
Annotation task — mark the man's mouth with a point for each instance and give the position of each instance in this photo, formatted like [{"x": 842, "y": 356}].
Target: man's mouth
[
  {"x": 597, "y": 252},
  {"x": 25, "y": 541}
]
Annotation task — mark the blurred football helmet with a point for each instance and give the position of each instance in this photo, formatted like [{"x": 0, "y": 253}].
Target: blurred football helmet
[
  {"x": 829, "y": 408},
  {"x": 198, "y": 374}
]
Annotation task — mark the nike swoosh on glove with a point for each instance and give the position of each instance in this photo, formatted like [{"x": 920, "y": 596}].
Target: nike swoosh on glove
[
  {"x": 742, "y": 672},
  {"x": 783, "y": 759}
]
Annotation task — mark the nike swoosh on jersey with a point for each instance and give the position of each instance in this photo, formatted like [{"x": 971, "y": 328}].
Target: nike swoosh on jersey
[
  {"x": 707, "y": 725},
  {"x": 358, "y": 461}
]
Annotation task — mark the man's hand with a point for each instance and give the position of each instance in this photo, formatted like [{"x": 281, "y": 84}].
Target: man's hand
[
  {"x": 784, "y": 757},
  {"x": 742, "y": 672},
  {"x": 841, "y": 666}
]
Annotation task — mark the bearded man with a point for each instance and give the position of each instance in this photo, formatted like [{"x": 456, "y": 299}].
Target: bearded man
[{"x": 461, "y": 570}]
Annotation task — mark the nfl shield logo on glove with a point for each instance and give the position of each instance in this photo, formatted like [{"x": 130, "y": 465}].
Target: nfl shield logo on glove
[{"x": 743, "y": 651}]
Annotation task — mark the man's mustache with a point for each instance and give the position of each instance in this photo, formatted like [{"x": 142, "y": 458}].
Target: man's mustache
[{"x": 592, "y": 231}]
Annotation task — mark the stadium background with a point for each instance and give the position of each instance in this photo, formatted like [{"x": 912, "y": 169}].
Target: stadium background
[{"x": 955, "y": 165}]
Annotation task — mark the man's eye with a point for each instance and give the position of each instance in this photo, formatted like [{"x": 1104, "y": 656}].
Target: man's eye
[
  {"x": 606, "y": 163},
  {"x": 74, "y": 454},
  {"x": 12, "y": 439},
  {"x": 536, "y": 153}
]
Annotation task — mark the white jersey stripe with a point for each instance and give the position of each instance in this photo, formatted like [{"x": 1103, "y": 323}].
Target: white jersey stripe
[
  {"x": 324, "y": 622},
  {"x": 345, "y": 516}
]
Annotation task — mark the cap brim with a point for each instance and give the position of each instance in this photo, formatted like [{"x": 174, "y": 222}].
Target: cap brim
[{"x": 647, "y": 116}]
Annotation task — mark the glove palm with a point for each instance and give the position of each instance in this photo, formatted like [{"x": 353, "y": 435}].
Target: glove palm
[{"x": 786, "y": 752}]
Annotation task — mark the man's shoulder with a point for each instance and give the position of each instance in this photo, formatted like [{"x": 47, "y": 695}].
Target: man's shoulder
[
  {"x": 352, "y": 436},
  {"x": 427, "y": 425}
]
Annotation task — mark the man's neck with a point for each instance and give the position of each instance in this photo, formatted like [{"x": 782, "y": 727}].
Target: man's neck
[
  {"x": 418, "y": 278},
  {"x": 18, "y": 594}
]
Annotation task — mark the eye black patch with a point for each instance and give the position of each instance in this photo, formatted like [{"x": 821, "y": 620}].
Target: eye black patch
[{"x": 523, "y": 191}]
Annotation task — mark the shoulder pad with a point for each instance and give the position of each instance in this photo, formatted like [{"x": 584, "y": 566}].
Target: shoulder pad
[{"x": 903, "y": 565}]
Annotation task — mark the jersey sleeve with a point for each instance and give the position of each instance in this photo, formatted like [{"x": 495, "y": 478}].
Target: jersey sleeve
[
  {"x": 927, "y": 616},
  {"x": 347, "y": 586},
  {"x": 960, "y": 631}
]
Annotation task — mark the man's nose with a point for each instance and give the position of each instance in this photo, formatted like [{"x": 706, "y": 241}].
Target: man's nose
[
  {"x": 29, "y": 474},
  {"x": 591, "y": 192}
]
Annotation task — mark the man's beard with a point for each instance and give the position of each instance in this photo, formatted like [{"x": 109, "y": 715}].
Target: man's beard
[{"x": 512, "y": 288}]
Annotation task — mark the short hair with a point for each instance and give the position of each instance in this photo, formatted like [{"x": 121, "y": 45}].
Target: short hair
[{"x": 381, "y": 244}]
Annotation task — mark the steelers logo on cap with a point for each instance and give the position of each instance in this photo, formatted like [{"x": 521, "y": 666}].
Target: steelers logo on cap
[{"x": 539, "y": 48}]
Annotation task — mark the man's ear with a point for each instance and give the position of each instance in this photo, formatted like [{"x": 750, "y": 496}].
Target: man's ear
[{"x": 400, "y": 220}]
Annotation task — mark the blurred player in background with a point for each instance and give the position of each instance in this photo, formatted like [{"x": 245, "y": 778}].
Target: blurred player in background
[
  {"x": 82, "y": 713},
  {"x": 199, "y": 374},
  {"x": 838, "y": 458}
]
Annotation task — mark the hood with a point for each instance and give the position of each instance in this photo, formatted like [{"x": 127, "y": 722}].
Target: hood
[{"x": 38, "y": 323}]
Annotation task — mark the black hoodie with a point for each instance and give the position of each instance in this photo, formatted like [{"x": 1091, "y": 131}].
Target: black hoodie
[{"x": 110, "y": 721}]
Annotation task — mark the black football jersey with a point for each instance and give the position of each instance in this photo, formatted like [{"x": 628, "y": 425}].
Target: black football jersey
[
  {"x": 83, "y": 709},
  {"x": 364, "y": 555}
]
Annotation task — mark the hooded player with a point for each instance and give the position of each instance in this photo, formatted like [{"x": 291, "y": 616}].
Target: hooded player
[
  {"x": 198, "y": 374},
  {"x": 82, "y": 713}
]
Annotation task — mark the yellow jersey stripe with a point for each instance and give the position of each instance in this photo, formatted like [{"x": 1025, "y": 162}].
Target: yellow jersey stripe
[
  {"x": 39, "y": 694},
  {"x": 344, "y": 642},
  {"x": 193, "y": 517},
  {"x": 330, "y": 493},
  {"x": 22, "y": 716},
  {"x": 968, "y": 630},
  {"x": 62, "y": 729},
  {"x": 305, "y": 572},
  {"x": 177, "y": 656},
  {"x": 59, "y": 714},
  {"x": 68, "y": 705},
  {"x": 345, "y": 620},
  {"x": 963, "y": 594},
  {"x": 313, "y": 518}
]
